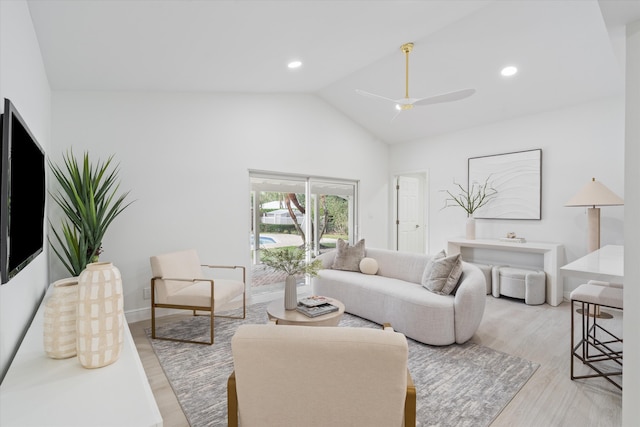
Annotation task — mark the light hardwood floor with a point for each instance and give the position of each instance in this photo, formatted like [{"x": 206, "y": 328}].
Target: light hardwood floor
[{"x": 540, "y": 334}]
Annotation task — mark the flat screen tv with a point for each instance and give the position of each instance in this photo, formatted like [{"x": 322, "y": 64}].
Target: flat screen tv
[{"x": 22, "y": 193}]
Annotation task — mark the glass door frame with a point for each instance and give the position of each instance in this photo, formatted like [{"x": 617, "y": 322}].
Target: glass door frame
[{"x": 310, "y": 184}]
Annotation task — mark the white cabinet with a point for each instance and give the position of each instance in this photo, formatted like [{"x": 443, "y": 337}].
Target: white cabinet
[{"x": 39, "y": 391}]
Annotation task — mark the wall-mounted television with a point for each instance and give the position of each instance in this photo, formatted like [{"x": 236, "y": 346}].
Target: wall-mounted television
[{"x": 22, "y": 195}]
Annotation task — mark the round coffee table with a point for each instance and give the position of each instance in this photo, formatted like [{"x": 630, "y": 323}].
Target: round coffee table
[{"x": 276, "y": 311}]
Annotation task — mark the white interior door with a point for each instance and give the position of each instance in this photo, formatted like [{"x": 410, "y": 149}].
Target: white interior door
[{"x": 410, "y": 223}]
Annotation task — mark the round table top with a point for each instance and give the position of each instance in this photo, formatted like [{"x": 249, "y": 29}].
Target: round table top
[{"x": 276, "y": 311}]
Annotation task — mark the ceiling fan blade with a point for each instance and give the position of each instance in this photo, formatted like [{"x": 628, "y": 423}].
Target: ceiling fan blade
[
  {"x": 446, "y": 97},
  {"x": 373, "y": 95},
  {"x": 395, "y": 116}
]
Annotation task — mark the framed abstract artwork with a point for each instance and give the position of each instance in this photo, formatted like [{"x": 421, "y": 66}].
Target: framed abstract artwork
[{"x": 517, "y": 179}]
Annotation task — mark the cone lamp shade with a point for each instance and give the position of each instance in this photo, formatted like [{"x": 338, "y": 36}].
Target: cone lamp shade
[{"x": 592, "y": 195}]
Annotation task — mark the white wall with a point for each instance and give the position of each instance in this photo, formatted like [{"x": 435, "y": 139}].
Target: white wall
[
  {"x": 631, "y": 376},
  {"x": 185, "y": 157},
  {"x": 577, "y": 144},
  {"x": 23, "y": 81}
]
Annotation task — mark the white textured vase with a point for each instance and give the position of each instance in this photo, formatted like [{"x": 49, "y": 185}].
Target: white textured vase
[
  {"x": 471, "y": 228},
  {"x": 290, "y": 293},
  {"x": 59, "y": 326},
  {"x": 100, "y": 321}
]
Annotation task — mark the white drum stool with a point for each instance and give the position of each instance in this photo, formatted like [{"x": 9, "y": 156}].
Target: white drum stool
[
  {"x": 529, "y": 285},
  {"x": 486, "y": 271},
  {"x": 596, "y": 344}
]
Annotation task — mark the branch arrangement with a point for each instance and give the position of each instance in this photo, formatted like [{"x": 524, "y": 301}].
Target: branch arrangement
[
  {"x": 472, "y": 199},
  {"x": 290, "y": 260}
]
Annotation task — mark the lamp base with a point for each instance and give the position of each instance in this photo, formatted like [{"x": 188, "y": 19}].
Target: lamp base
[
  {"x": 596, "y": 312},
  {"x": 593, "y": 224}
]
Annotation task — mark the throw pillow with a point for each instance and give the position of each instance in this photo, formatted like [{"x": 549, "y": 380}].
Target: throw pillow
[
  {"x": 348, "y": 257},
  {"x": 441, "y": 275},
  {"x": 427, "y": 269},
  {"x": 368, "y": 266}
]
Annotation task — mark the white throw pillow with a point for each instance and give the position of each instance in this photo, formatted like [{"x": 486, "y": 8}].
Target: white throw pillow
[{"x": 368, "y": 266}]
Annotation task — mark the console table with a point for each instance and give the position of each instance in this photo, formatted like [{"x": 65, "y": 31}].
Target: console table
[
  {"x": 552, "y": 259},
  {"x": 38, "y": 391}
]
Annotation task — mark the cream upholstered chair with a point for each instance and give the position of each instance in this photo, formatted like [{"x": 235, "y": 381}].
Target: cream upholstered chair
[
  {"x": 179, "y": 282},
  {"x": 319, "y": 376}
]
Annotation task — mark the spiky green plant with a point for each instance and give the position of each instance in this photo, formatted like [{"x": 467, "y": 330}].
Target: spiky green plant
[
  {"x": 290, "y": 260},
  {"x": 87, "y": 196}
]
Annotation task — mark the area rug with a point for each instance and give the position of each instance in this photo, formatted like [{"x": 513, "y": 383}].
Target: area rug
[{"x": 457, "y": 385}]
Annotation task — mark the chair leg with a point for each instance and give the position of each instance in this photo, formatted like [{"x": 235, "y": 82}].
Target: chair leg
[
  {"x": 211, "y": 328},
  {"x": 153, "y": 321},
  {"x": 232, "y": 401},
  {"x": 591, "y": 349},
  {"x": 410, "y": 403}
]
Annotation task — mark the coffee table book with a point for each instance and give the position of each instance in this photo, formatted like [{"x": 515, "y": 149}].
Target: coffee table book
[
  {"x": 316, "y": 311},
  {"x": 314, "y": 301}
]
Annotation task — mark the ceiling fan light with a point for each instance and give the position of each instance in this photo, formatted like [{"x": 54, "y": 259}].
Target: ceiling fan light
[
  {"x": 509, "y": 71},
  {"x": 294, "y": 64},
  {"x": 398, "y": 107}
]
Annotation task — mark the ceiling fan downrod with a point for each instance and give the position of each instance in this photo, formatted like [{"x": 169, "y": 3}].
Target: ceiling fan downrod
[{"x": 406, "y": 48}]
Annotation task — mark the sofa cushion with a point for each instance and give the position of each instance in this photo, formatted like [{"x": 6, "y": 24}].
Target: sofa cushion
[
  {"x": 399, "y": 265},
  {"x": 442, "y": 274},
  {"x": 348, "y": 257},
  {"x": 368, "y": 266}
]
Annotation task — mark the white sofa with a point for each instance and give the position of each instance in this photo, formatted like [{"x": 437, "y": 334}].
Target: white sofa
[{"x": 395, "y": 295}]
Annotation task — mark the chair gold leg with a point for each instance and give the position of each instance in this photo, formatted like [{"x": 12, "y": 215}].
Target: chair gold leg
[
  {"x": 232, "y": 401},
  {"x": 410, "y": 403}
]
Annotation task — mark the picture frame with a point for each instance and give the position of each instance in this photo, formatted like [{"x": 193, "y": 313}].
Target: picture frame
[{"x": 517, "y": 179}]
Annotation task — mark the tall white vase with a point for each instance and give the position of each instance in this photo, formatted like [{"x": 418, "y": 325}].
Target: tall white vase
[
  {"x": 290, "y": 293},
  {"x": 100, "y": 321},
  {"x": 59, "y": 326},
  {"x": 471, "y": 228}
]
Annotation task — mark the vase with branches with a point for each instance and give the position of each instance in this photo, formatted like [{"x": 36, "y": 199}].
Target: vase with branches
[
  {"x": 471, "y": 199},
  {"x": 293, "y": 262},
  {"x": 87, "y": 195}
]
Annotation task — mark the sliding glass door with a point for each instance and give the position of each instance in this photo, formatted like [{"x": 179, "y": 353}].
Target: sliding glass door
[{"x": 301, "y": 211}]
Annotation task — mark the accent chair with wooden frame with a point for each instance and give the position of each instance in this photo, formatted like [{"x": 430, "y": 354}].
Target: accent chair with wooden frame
[
  {"x": 316, "y": 376},
  {"x": 179, "y": 283}
]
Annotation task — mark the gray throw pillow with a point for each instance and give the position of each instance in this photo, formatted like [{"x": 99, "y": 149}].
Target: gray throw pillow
[
  {"x": 348, "y": 257},
  {"x": 442, "y": 274},
  {"x": 427, "y": 269}
]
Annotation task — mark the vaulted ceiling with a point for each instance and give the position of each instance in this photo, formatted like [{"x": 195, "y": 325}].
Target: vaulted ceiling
[{"x": 562, "y": 48}]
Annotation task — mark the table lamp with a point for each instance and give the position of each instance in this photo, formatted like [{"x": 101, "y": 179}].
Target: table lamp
[{"x": 591, "y": 195}]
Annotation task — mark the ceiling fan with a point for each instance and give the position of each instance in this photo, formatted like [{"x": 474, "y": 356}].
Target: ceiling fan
[{"x": 407, "y": 103}]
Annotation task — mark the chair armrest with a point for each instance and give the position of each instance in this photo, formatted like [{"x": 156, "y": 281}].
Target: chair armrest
[
  {"x": 232, "y": 401},
  {"x": 410, "y": 403},
  {"x": 181, "y": 279},
  {"x": 230, "y": 267},
  {"x": 223, "y": 266},
  {"x": 194, "y": 280}
]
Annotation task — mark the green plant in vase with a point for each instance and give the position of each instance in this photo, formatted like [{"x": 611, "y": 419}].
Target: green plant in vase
[
  {"x": 293, "y": 262},
  {"x": 87, "y": 195}
]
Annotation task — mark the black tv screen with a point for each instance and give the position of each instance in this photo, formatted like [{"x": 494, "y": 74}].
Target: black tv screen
[{"x": 22, "y": 193}]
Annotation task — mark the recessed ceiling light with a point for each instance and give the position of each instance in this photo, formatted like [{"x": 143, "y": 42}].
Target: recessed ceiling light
[
  {"x": 294, "y": 64},
  {"x": 509, "y": 71}
]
